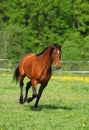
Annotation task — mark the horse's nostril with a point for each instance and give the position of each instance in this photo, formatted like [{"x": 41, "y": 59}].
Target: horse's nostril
[{"x": 58, "y": 67}]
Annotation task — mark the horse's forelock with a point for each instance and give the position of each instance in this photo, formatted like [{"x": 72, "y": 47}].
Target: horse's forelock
[{"x": 57, "y": 46}]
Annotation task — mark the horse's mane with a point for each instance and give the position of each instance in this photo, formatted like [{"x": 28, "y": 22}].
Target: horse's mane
[
  {"x": 51, "y": 49},
  {"x": 42, "y": 52}
]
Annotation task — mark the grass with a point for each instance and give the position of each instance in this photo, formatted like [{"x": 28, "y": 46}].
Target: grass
[{"x": 64, "y": 105}]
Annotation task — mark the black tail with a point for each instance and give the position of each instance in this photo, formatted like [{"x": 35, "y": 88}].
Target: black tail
[{"x": 16, "y": 75}]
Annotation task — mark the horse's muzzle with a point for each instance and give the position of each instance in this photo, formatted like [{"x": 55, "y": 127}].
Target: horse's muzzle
[{"x": 58, "y": 67}]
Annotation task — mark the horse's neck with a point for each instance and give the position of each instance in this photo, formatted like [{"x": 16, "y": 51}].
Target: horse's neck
[{"x": 46, "y": 58}]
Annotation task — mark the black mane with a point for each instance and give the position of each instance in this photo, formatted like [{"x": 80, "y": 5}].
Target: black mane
[
  {"x": 42, "y": 52},
  {"x": 51, "y": 49}
]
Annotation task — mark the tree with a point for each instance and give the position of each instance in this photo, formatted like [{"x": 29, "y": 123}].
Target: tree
[
  {"x": 29, "y": 26},
  {"x": 81, "y": 16}
]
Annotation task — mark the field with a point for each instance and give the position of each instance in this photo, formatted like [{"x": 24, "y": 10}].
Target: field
[{"x": 64, "y": 105}]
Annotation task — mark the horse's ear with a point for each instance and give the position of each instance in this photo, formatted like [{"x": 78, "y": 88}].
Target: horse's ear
[
  {"x": 60, "y": 44},
  {"x": 52, "y": 45}
]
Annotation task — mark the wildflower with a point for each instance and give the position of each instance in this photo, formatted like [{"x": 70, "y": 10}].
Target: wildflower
[
  {"x": 84, "y": 125},
  {"x": 73, "y": 78}
]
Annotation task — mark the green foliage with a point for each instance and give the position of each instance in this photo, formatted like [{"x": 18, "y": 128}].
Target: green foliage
[
  {"x": 81, "y": 16},
  {"x": 85, "y": 48},
  {"x": 29, "y": 26},
  {"x": 72, "y": 49}
]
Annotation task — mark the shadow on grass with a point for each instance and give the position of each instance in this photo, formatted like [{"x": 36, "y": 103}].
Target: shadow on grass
[{"x": 50, "y": 107}]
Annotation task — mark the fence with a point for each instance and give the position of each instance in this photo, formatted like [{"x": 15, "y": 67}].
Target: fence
[
  {"x": 75, "y": 66},
  {"x": 8, "y": 64},
  {"x": 67, "y": 66}
]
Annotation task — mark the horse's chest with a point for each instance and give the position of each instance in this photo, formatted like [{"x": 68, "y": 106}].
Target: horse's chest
[{"x": 45, "y": 76}]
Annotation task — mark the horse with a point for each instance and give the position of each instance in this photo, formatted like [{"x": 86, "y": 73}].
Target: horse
[{"x": 38, "y": 68}]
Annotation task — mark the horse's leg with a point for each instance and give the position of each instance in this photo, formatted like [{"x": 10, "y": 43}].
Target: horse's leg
[
  {"x": 27, "y": 88},
  {"x": 21, "y": 91},
  {"x": 43, "y": 85},
  {"x": 34, "y": 95}
]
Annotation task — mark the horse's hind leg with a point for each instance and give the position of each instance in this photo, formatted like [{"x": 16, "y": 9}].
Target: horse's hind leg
[
  {"x": 21, "y": 92},
  {"x": 27, "y": 88}
]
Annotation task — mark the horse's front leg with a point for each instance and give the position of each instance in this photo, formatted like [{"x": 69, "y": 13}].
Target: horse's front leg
[
  {"x": 43, "y": 85},
  {"x": 34, "y": 95}
]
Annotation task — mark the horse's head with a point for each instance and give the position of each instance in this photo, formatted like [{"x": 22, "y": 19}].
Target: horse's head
[{"x": 56, "y": 54}]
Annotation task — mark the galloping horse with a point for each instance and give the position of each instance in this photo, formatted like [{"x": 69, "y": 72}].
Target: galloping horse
[{"x": 38, "y": 68}]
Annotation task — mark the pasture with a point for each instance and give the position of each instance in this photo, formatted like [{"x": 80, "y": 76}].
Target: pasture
[{"x": 64, "y": 105}]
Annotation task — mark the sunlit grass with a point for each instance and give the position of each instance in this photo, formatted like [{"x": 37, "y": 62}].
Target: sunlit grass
[{"x": 64, "y": 105}]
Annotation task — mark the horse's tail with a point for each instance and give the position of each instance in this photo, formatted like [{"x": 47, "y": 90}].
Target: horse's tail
[{"x": 16, "y": 75}]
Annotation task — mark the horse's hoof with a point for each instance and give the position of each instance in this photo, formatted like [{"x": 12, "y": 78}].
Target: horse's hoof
[
  {"x": 24, "y": 100},
  {"x": 36, "y": 109},
  {"x": 28, "y": 100},
  {"x": 21, "y": 100}
]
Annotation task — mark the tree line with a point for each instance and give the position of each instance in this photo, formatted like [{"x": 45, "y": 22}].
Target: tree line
[{"x": 31, "y": 25}]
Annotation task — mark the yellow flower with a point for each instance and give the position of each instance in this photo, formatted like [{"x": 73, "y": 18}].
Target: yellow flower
[
  {"x": 84, "y": 125},
  {"x": 72, "y": 78}
]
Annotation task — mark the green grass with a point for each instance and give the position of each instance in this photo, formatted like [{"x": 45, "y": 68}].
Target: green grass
[{"x": 64, "y": 105}]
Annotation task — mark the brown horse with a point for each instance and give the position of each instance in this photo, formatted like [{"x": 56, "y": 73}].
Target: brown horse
[{"x": 37, "y": 67}]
